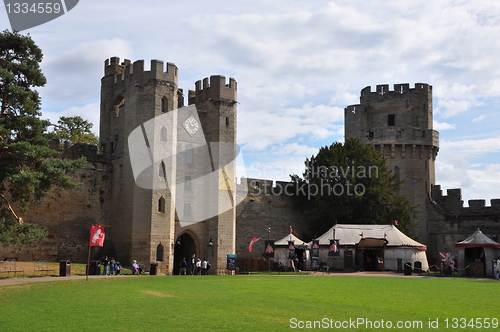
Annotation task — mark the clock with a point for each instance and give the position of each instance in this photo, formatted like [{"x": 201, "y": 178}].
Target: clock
[{"x": 191, "y": 125}]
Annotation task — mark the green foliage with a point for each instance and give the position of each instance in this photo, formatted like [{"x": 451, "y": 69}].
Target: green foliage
[
  {"x": 13, "y": 232},
  {"x": 29, "y": 168},
  {"x": 350, "y": 184},
  {"x": 75, "y": 130}
]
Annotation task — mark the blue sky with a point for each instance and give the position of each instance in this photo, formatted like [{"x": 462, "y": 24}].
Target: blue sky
[{"x": 298, "y": 64}]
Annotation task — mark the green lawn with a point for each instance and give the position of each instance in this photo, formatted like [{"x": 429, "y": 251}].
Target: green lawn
[{"x": 246, "y": 303}]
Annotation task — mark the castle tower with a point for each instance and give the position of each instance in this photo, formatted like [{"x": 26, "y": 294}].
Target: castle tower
[
  {"x": 141, "y": 220},
  {"x": 153, "y": 213},
  {"x": 398, "y": 123},
  {"x": 216, "y": 102}
]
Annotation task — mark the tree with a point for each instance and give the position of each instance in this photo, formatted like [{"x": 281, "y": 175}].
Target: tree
[
  {"x": 75, "y": 130},
  {"x": 28, "y": 167},
  {"x": 350, "y": 184}
]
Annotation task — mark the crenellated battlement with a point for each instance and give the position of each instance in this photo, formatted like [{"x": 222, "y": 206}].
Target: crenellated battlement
[
  {"x": 127, "y": 72},
  {"x": 258, "y": 187},
  {"x": 454, "y": 204},
  {"x": 399, "y": 89},
  {"x": 214, "y": 89}
]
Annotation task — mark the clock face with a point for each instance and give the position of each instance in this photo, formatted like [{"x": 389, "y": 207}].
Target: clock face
[{"x": 191, "y": 125}]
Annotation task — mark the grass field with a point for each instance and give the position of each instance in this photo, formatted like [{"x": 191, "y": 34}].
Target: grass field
[{"x": 249, "y": 303}]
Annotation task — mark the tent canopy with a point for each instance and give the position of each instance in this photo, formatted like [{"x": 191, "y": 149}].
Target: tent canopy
[
  {"x": 290, "y": 237},
  {"x": 369, "y": 242},
  {"x": 478, "y": 239},
  {"x": 352, "y": 235}
]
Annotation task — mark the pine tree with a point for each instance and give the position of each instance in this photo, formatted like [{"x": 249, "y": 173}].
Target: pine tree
[{"x": 29, "y": 168}]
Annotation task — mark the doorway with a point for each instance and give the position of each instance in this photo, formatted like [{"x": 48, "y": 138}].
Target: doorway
[{"x": 185, "y": 247}]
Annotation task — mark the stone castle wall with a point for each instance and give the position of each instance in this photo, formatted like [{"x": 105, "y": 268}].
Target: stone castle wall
[
  {"x": 410, "y": 146},
  {"x": 68, "y": 214}
]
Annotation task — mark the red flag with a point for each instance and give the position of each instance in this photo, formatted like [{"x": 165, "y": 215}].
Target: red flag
[
  {"x": 294, "y": 232},
  {"x": 250, "y": 247},
  {"x": 395, "y": 222},
  {"x": 97, "y": 235}
]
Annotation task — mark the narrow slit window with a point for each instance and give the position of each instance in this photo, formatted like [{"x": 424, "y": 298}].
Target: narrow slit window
[
  {"x": 163, "y": 134},
  {"x": 161, "y": 205}
]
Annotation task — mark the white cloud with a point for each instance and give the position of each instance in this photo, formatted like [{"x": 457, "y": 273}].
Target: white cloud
[
  {"x": 74, "y": 75},
  {"x": 472, "y": 147},
  {"x": 454, "y": 107},
  {"x": 479, "y": 118},
  {"x": 263, "y": 129},
  {"x": 442, "y": 125}
]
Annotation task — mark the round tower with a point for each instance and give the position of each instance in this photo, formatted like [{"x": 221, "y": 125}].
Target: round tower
[{"x": 398, "y": 123}]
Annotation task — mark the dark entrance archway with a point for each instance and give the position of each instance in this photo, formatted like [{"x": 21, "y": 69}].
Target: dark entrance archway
[
  {"x": 185, "y": 247},
  {"x": 475, "y": 260}
]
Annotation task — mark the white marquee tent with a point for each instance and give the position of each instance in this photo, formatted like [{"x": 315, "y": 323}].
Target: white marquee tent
[
  {"x": 282, "y": 251},
  {"x": 356, "y": 237}
]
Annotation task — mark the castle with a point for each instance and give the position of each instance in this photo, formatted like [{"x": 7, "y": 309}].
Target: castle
[{"x": 145, "y": 222}]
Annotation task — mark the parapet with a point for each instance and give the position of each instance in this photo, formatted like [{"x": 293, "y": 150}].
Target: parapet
[
  {"x": 135, "y": 72},
  {"x": 399, "y": 89},
  {"x": 216, "y": 89},
  {"x": 454, "y": 204}
]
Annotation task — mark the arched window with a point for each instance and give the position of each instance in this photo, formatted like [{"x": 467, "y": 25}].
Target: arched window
[
  {"x": 161, "y": 171},
  {"x": 161, "y": 205},
  {"x": 164, "y": 105},
  {"x": 163, "y": 134},
  {"x": 159, "y": 253}
]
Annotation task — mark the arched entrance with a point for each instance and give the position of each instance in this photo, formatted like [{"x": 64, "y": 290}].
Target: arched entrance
[{"x": 185, "y": 247}]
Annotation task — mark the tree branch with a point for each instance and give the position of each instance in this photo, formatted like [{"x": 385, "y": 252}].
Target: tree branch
[{"x": 19, "y": 219}]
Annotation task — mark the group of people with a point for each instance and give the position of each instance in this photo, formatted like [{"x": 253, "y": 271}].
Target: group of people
[
  {"x": 111, "y": 267},
  {"x": 194, "y": 266}
]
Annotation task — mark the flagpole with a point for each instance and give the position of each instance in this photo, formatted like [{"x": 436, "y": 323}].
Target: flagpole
[
  {"x": 88, "y": 256},
  {"x": 88, "y": 263},
  {"x": 269, "y": 258}
]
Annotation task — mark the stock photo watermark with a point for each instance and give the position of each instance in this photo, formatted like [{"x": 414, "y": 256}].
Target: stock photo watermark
[
  {"x": 320, "y": 180},
  {"x": 26, "y": 14}
]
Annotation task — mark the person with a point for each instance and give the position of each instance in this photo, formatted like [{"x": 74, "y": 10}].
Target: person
[
  {"x": 204, "y": 266},
  {"x": 198, "y": 266},
  {"x": 135, "y": 267},
  {"x": 497, "y": 275},
  {"x": 105, "y": 263},
  {"x": 115, "y": 266},
  {"x": 182, "y": 267},
  {"x": 192, "y": 268}
]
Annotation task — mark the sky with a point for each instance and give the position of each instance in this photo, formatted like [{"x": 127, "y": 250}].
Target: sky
[{"x": 298, "y": 64}]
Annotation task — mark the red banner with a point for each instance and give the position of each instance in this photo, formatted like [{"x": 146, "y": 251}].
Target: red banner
[
  {"x": 97, "y": 236},
  {"x": 250, "y": 247}
]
